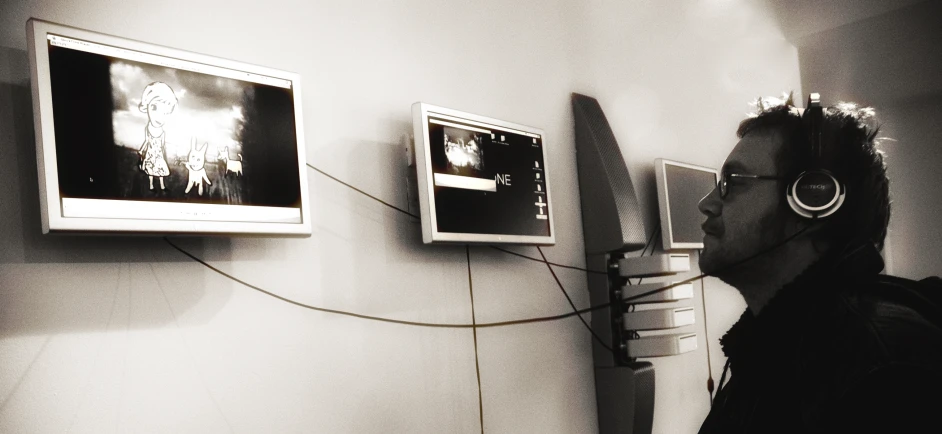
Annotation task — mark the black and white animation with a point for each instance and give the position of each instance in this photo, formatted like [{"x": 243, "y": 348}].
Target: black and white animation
[
  {"x": 183, "y": 126},
  {"x": 131, "y": 130}
]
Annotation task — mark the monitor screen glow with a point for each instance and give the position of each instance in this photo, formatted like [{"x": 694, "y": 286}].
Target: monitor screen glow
[
  {"x": 481, "y": 180},
  {"x": 680, "y": 186},
  {"x": 138, "y": 138}
]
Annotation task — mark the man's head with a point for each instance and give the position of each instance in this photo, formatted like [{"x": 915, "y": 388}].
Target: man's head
[{"x": 754, "y": 215}]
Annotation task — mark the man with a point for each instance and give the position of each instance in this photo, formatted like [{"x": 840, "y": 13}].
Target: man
[{"x": 827, "y": 344}]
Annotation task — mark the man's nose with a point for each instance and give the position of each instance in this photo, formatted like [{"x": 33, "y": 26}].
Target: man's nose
[{"x": 711, "y": 205}]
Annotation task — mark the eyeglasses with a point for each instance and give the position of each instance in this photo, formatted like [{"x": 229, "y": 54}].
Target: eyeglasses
[{"x": 726, "y": 177}]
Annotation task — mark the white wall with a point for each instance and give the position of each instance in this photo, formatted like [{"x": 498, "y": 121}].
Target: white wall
[
  {"x": 914, "y": 242},
  {"x": 118, "y": 334},
  {"x": 674, "y": 80},
  {"x": 115, "y": 334}
]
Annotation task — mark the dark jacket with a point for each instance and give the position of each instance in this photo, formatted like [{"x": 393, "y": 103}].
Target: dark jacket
[{"x": 840, "y": 349}]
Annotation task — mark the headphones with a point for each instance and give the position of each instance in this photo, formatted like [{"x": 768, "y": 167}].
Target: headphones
[{"x": 815, "y": 193}]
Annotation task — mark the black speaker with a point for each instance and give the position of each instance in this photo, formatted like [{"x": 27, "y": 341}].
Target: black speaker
[{"x": 611, "y": 217}]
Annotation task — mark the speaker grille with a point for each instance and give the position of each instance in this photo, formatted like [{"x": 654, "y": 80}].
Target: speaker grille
[{"x": 611, "y": 217}]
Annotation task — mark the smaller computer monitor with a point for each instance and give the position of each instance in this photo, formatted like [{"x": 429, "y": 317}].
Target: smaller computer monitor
[
  {"x": 680, "y": 186},
  {"x": 481, "y": 180}
]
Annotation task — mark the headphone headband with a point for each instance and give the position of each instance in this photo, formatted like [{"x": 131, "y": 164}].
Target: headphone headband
[
  {"x": 815, "y": 116},
  {"x": 815, "y": 193}
]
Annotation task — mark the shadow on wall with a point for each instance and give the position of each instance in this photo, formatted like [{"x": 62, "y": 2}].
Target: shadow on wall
[
  {"x": 892, "y": 62},
  {"x": 890, "y": 59},
  {"x": 71, "y": 283},
  {"x": 408, "y": 256}
]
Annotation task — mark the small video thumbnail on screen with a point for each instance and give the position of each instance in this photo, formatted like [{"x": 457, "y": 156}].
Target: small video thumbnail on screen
[
  {"x": 463, "y": 150},
  {"x": 465, "y": 159}
]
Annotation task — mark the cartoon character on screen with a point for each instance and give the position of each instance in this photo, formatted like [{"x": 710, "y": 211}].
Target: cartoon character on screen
[
  {"x": 196, "y": 165},
  {"x": 158, "y": 101},
  {"x": 234, "y": 166}
]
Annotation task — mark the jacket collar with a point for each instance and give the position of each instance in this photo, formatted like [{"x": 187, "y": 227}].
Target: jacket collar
[{"x": 777, "y": 325}]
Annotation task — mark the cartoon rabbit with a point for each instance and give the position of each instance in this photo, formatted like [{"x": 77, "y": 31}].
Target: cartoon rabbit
[
  {"x": 195, "y": 165},
  {"x": 234, "y": 166}
]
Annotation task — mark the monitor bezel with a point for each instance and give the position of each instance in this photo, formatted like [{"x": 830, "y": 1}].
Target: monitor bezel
[
  {"x": 422, "y": 144},
  {"x": 47, "y": 163},
  {"x": 663, "y": 199}
]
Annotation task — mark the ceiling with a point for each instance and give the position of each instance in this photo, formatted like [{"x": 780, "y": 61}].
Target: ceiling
[{"x": 799, "y": 18}]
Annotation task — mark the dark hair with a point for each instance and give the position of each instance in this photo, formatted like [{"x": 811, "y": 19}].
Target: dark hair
[{"x": 849, "y": 151}]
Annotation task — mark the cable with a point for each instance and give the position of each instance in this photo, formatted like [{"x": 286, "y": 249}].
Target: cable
[
  {"x": 735, "y": 264},
  {"x": 477, "y": 366},
  {"x": 730, "y": 266},
  {"x": 574, "y": 308},
  {"x": 706, "y": 337},
  {"x": 446, "y": 325},
  {"x": 651, "y": 238},
  {"x": 362, "y": 192},
  {"x": 656, "y": 231},
  {"x": 415, "y": 216},
  {"x": 460, "y": 326},
  {"x": 387, "y": 320},
  {"x": 544, "y": 261},
  {"x": 648, "y": 243}
]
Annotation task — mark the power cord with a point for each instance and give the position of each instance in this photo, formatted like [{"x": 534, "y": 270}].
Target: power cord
[
  {"x": 477, "y": 365},
  {"x": 657, "y": 230},
  {"x": 381, "y": 319},
  {"x": 465, "y": 326},
  {"x": 416, "y": 216},
  {"x": 569, "y": 299},
  {"x": 577, "y": 312},
  {"x": 544, "y": 261},
  {"x": 706, "y": 337},
  {"x": 574, "y": 308},
  {"x": 361, "y": 191}
]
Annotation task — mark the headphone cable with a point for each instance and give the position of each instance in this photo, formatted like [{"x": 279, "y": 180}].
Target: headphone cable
[{"x": 728, "y": 267}]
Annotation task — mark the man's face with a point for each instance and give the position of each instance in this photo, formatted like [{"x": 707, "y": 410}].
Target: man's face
[{"x": 751, "y": 217}]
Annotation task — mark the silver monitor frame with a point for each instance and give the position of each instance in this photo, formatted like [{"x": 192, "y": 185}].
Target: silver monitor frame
[
  {"x": 47, "y": 164},
  {"x": 430, "y": 232},
  {"x": 663, "y": 201}
]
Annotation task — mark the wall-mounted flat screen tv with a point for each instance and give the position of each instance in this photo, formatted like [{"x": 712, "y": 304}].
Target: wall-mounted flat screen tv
[
  {"x": 680, "y": 186},
  {"x": 137, "y": 138},
  {"x": 481, "y": 180}
]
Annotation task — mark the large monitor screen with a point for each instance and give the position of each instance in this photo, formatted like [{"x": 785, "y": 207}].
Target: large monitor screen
[
  {"x": 133, "y": 137},
  {"x": 680, "y": 186},
  {"x": 481, "y": 180}
]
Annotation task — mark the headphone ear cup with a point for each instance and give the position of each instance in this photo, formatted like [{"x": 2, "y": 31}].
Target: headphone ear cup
[
  {"x": 815, "y": 194},
  {"x": 793, "y": 204}
]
